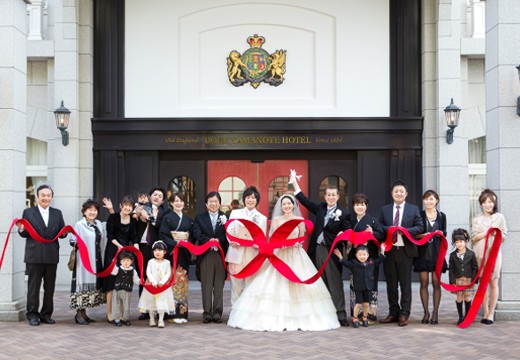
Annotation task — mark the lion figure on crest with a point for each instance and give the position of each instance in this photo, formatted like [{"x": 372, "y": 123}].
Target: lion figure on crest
[{"x": 277, "y": 67}]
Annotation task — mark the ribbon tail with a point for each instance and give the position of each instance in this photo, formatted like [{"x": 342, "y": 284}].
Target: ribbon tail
[{"x": 485, "y": 279}]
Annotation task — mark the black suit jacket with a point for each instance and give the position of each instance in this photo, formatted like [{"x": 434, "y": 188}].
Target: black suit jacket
[
  {"x": 410, "y": 219},
  {"x": 360, "y": 226},
  {"x": 38, "y": 253},
  {"x": 154, "y": 227},
  {"x": 333, "y": 226},
  {"x": 203, "y": 232},
  {"x": 363, "y": 273},
  {"x": 467, "y": 267}
]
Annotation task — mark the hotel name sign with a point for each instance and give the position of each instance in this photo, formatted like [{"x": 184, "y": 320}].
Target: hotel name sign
[{"x": 254, "y": 141}]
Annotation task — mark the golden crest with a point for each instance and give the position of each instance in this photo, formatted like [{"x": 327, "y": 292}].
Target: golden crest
[{"x": 256, "y": 65}]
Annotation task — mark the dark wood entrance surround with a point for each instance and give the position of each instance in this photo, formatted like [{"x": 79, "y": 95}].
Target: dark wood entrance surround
[{"x": 132, "y": 154}]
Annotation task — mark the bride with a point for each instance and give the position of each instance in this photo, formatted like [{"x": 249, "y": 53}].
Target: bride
[{"x": 273, "y": 303}]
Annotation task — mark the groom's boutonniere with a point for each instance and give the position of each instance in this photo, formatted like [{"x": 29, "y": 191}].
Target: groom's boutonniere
[
  {"x": 337, "y": 214},
  {"x": 222, "y": 219}
]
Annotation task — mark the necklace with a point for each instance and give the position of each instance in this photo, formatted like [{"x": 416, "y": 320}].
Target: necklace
[{"x": 431, "y": 217}]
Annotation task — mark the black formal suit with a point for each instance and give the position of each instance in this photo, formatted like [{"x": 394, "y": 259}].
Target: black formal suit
[
  {"x": 399, "y": 259},
  {"x": 318, "y": 253},
  {"x": 210, "y": 269},
  {"x": 41, "y": 261}
]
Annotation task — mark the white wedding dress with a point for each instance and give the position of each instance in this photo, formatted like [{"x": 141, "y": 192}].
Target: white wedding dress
[{"x": 273, "y": 303}]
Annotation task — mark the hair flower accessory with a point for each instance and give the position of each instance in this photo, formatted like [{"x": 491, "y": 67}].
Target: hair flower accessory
[{"x": 337, "y": 214}]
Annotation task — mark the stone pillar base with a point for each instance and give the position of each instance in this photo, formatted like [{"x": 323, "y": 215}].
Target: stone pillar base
[
  {"x": 12, "y": 311},
  {"x": 508, "y": 310}
]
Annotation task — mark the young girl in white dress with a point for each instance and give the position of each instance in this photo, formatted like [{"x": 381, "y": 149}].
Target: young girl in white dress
[
  {"x": 273, "y": 303},
  {"x": 158, "y": 272}
]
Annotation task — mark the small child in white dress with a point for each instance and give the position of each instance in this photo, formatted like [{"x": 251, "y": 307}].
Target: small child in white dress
[{"x": 158, "y": 271}]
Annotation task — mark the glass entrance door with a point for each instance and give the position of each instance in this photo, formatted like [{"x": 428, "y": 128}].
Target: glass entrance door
[{"x": 270, "y": 177}]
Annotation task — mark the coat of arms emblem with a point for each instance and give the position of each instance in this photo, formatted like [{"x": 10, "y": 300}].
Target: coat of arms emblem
[{"x": 256, "y": 65}]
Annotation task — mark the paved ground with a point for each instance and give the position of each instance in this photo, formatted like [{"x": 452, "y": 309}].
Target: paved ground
[{"x": 196, "y": 340}]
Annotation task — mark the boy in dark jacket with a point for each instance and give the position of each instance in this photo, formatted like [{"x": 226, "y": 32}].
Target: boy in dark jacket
[{"x": 362, "y": 270}]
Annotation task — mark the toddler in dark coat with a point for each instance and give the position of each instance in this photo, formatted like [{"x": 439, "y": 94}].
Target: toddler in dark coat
[{"x": 362, "y": 269}]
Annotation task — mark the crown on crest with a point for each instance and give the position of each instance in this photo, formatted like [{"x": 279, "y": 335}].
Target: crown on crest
[{"x": 255, "y": 40}]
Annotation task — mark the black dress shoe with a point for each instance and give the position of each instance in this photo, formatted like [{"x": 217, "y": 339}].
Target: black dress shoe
[
  {"x": 90, "y": 320},
  {"x": 343, "y": 322},
  {"x": 207, "y": 320},
  {"x": 34, "y": 321},
  {"x": 112, "y": 322},
  {"x": 118, "y": 323},
  {"x": 217, "y": 320},
  {"x": 49, "y": 321},
  {"x": 126, "y": 322},
  {"x": 425, "y": 319},
  {"x": 144, "y": 316},
  {"x": 486, "y": 321}
]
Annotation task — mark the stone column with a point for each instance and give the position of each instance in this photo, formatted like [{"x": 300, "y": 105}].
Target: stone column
[
  {"x": 13, "y": 87},
  {"x": 70, "y": 80},
  {"x": 503, "y": 148},
  {"x": 445, "y": 165}
]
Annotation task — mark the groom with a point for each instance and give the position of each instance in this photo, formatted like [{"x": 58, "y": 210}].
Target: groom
[
  {"x": 237, "y": 256},
  {"x": 330, "y": 221}
]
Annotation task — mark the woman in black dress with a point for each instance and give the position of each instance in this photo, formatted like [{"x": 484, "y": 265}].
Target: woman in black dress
[
  {"x": 121, "y": 231},
  {"x": 176, "y": 227},
  {"x": 425, "y": 263},
  {"x": 361, "y": 221}
]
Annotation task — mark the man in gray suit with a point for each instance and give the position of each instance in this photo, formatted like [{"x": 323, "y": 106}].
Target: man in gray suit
[
  {"x": 331, "y": 220},
  {"x": 41, "y": 259}
]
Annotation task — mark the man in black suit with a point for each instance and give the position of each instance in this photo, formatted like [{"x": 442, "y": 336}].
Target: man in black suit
[
  {"x": 41, "y": 259},
  {"x": 148, "y": 226},
  {"x": 399, "y": 260},
  {"x": 330, "y": 221},
  {"x": 209, "y": 227}
]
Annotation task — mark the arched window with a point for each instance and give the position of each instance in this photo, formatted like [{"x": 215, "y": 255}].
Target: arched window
[
  {"x": 231, "y": 188},
  {"x": 186, "y": 186},
  {"x": 341, "y": 184},
  {"x": 278, "y": 186}
]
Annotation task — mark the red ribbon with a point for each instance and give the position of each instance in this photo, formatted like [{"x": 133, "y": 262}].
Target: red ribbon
[
  {"x": 266, "y": 248},
  {"x": 83, "y": 253},
  {"x": 279, "y": 240},
  {"x": 486, "y": 270}
]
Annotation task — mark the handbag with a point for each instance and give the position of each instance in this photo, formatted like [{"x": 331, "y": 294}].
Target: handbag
[{"x": 72, "y": 259}]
